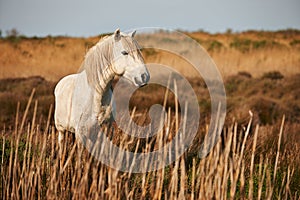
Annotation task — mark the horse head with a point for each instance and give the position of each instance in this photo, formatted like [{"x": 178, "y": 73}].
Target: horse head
[{"x": 128, "y": 60}]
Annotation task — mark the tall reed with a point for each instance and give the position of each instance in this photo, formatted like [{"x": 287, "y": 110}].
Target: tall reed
[{"x": 234, "y": 169}]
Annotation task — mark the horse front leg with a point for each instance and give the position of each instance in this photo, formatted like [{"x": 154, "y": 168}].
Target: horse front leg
[
  {"x": 104, "y": 109},
  {"x": 61, "y": 137},
  {"x": 104, "y": 114}
]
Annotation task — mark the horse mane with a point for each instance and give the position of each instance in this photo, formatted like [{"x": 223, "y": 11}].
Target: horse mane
[
  {"x": 100, "y": 57},
  {"x": 96, "y": 60}
]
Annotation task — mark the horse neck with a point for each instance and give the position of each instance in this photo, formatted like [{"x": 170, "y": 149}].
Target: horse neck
[{"x": 105, "y": 81}]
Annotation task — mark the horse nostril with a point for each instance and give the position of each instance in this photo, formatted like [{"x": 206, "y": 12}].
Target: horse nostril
[
  {"x": 144, "y": 77},
  {"x": 137, "y": 81}
]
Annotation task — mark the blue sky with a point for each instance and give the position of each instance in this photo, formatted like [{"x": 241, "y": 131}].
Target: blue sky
[{"x": 92, "y": 17}]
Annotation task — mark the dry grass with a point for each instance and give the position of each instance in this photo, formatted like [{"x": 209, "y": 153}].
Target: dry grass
[
  {"x": 257, "y": 156},
  {"x": 256, "y": 52},
  {"x": 251, "y": 163}
]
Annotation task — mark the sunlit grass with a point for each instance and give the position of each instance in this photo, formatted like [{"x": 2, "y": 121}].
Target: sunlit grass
[{"x": 239, "y": 166}]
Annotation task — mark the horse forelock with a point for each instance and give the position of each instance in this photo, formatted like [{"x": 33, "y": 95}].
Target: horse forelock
[{"x": 131, "y": 46}]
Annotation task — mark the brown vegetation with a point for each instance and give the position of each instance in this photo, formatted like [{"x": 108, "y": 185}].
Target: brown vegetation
[
  {"x": 254, "y": 52},
  {"x": 255, "y": 162},
  {"x": 257, "y": 156}
]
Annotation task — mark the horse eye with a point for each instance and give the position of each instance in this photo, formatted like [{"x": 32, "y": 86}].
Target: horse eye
[{"x": 124, "y": 53}]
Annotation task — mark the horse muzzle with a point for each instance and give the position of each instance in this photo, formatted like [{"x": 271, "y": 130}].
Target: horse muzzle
[{"x": 142, "y": 80}]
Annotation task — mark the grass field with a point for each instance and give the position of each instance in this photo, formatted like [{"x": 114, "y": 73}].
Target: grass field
[
  {"x": 255, "y": 52},
  {"x": 257, "y": 157}
]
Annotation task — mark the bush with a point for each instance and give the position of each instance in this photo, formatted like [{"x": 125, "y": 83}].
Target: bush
[
  {"x": 214, "y": 45},
  {"x": 274, "y": 75},
  {"x": 295, "y": 43},
  {"x": 245, "y": 74},
  {"x": 242, "y": 45},
  {"x": 259, "y": 44},
  {"x": 245, "y": 45}
]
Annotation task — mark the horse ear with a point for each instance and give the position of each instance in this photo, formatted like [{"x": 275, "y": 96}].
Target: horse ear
[
  {"x": 117, "y": 33},
  {"x": 133, "y": 33}
]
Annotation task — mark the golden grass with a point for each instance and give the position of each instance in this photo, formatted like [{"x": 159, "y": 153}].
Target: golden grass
[
  {"x": 237, "y": 167},
  {"x": 248, "y": 162},
  {"x": 255, "y": 52}
]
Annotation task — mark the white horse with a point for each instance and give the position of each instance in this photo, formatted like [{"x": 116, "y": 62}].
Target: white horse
[{"x": 86, "y": 96}]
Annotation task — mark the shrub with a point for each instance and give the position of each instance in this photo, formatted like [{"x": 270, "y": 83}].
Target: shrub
[
  {"x": 214, "y": 45},
  {"x": 259, "y": 44},
  {"x": 295, "y": 43},
  {"x": 245, "y": 74},
  {"x": 274, "y": 75},
  {"x": 245, "y": 45},
  {"x": 242, "y": 45}
]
